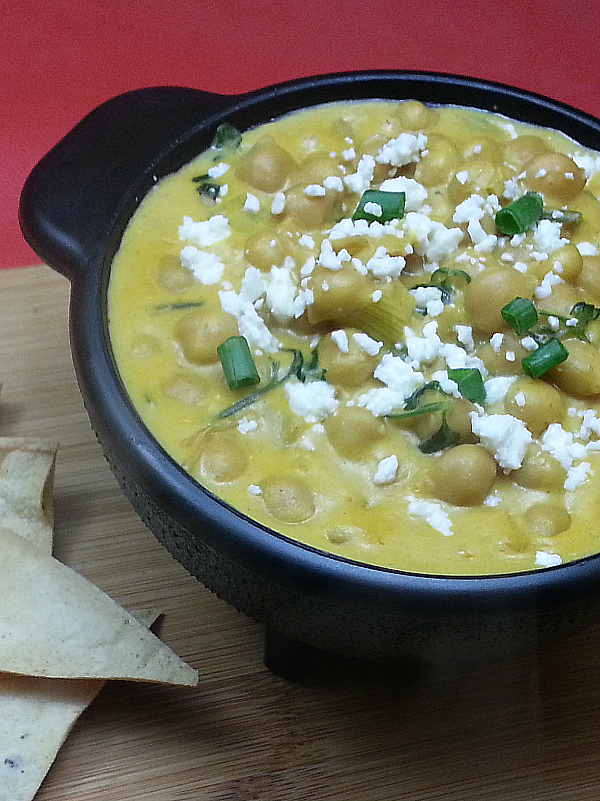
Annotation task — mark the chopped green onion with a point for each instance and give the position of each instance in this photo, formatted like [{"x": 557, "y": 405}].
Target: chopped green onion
[
  {"x": 444, "y": 437},
  {"x": 206, "y": 188},
  {"x": 226, "y": 137},
  {"x": 449, "y": 272},
  {"x": 238, "y": 364},
  {"x": 470, "y": 383},
  {"x": 564, "y": 216},
  {"x": 418, "y": 411},
  {"x": 178, "y": 306},
  {"x": 520, "y": 314},
  {"x": 390, "y": 203},
  {"x": 548, "y": 355},
  {"x": 521, "y": 214}
]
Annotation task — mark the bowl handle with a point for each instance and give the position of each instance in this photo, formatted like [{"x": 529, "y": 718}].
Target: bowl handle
[{"x": 71, "y": 197}]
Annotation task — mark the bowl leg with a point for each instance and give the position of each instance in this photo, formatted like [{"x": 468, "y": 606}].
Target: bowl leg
[{"x": 285, "y": 656}]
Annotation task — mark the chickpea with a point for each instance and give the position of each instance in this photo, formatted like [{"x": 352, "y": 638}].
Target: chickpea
[
  {"x": 457, "y": 418},
  {"x": 224, "y": 458},
  {"x": 589, "y": 224},
  {"x": 342, "y": 535},
  {"x": 172, "y": 275},
  {"x": 144, "y": 345},
  {"x": 547, "y": 519},
  {"x": 555, "y": 176},
  {"x": 539, "y": 471},
  {"x": 579, "y": 375},
  {"x": 481, "y": 148},
  {"x": 518, "y": 152},
  {"x": 336, "y": 294},
  {"x": 488, "y": 292},
  {"x": 265, "y": 249},
  {"x": 589, "y": 277},
  {"x": 478, "y": 176},
  {"x": 199, "y": 333},
  {"x": 436, "y": 167},
  {"x": 496, "y": 360},
  {"x": 414, "y": 116},
  {"x": 565, "y": 261},
  {"x": 536, "y": 403},
  {"x": 308, "y": 212},
  {"x": 561, "y": 300},
  {"x": 288, "y": 498},
  {"x": 350, "y": 369},
  {"x": 463, "y": 475},
  {"x": 266, "y": 165},
  {"x": 315, "y": 168},
  {"x": 353, "y": 431},
  {"x": 186, "y": 388}
]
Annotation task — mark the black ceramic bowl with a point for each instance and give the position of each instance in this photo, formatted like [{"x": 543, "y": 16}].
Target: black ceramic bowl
[{"x": 74, "y": 208}]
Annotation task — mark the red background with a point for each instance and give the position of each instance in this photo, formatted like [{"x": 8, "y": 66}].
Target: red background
[{"x": 60, "y": 58}]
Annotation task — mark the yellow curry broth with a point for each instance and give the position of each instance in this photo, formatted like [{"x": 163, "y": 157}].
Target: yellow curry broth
[{"x": 301, "y": 476}]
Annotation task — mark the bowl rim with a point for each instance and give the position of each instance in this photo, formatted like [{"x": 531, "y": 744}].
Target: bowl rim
[{"x": 182, "y": 496}]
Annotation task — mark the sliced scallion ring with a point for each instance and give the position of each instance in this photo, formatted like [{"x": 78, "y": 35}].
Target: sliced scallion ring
[
  {"x": 547, "y": 356},
  {"x": 238, "y": 364},
  {"x": 391, "y": 205},
  {"x": 521, "y": 214},
  {"x": 520, "y": 314}
]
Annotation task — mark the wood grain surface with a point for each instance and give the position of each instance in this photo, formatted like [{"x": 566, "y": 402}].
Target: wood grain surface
[{"x": 524, "y": 730}]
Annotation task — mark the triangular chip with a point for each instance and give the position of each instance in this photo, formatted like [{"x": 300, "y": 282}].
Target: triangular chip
[
  {"x": 55, "y": 623},
  {"x": 26, "y": 479},
  {"x": 36, "y": 715}
]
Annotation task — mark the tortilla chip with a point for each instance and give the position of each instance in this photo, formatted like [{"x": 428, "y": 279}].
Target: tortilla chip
[
  {"x": 26, "y": 483},
  {"x": 36, "y": 715},
  {"x": 55, "y": 623}
]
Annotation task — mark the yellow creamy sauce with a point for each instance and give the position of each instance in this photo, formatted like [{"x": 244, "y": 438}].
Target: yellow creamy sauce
[{"x": 342, "y": 475}]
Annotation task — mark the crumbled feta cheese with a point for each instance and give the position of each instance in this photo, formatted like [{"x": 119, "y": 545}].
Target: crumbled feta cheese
[
  {"x": 218, "y": 171},
  {"x": 206, "y": 232},
  {"x": 386, "y": 470},
  {"x": 505, "y": 436},
  {"x": 382, "y": 265},
  {"x": 245, "y": 425},
  {"x": 252, "y": 203},
  {"x": 456, "y": 357},
  {"x": 369, "y": 345},
  {"x": 545, "y": 559},
  {"x": 496, "y": 341},
  {"x": 334, "y": 182},
  {"x": 415, "y": 193},
  {"x": 373, "y": 208},
  {"x": 587, "y": 249},
  {"x": 349, "y": 154},
  {"x": 428, "y": 298},
  {"x": 254, "y": 489},
  {"x": 330, "y": 259},
  {"x": 312, "y": 400},
  {"x": 278, "y": 204},
  {"x": 512, "y": 190},
  {"x": 529, "y": 343},
  {"x": 544, "y": 290},
  {"x": 588, "y": 163},
  {"x": 547, "y": 236},
  {"x": 341, "y": 340},
  {"x": 520, "y": 398},
  {"x": 424, "y": 348},
  {"x": 205, "y": 267},
  {"x": 577, "y": 476},
  {"x": 402, "y": 150},
  {"x": 520, "y": 266},
  {"x": 400, "y": 381},
  {"x": 314, "y": 190},
  {"x": 432, "y": 512},
  {"x": 464, "y": 334},
  {"x": 377, "y": 295},
  {"x": 285, "y": 299},
  {"x": 462, "y": 177},
  {"x": 306, "y": 241},
  {"x": 434, "y": 240},
  {"x": 497, "y": 387},
  {"x": 361, "y": 179}
]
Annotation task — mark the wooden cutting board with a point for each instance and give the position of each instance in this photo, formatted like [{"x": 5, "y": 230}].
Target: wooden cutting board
[{"x": 526, "y": 730}]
